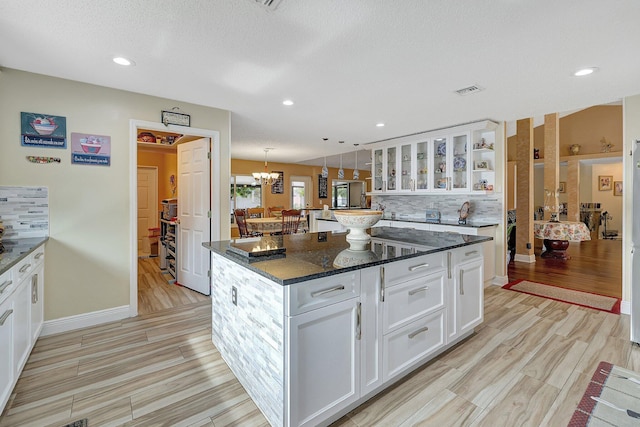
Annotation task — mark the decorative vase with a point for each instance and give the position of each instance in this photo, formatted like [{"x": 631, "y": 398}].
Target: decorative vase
[{"x": 575, "y": 149}]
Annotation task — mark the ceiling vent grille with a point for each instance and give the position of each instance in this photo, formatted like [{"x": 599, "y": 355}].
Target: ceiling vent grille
[
  {"x": 469, "y": 89},
  {"x": 268, "y": 4}
]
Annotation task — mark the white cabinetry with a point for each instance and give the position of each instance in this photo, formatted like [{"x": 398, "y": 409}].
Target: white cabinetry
[
  {"x": 21, "y": 317},
  {"x": 466, "y": 291},
  {"x": 459, "y": 159}
]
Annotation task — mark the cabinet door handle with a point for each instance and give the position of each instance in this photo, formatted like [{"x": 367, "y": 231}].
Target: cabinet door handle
[
  {"x": 359, "y": 321},
  {"x": 382, "y": 284},
  {"x": 470, "y": 253},
  {"x": 461, "y": 284},
  {"x": 5, "y": 316},
  {"x": 5, "y": 285},
  {"x": 419, "y": 331},
  {"x": 415, "y": 291},
  {"x": 449, "y": 264},
  {"x": 419, "y": 266},
  {"x": 384, "y": 186},
  {"x": 34, "y": 289},
  {"x": 39, "y": 255},
  {"x": 326, "y": 291},
  {"x": 24, "y": 268}
]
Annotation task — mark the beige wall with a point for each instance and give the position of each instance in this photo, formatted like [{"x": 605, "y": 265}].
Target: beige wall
[
  {"x": 88, "y": 254},
  {"x": 608, "y": 202}
]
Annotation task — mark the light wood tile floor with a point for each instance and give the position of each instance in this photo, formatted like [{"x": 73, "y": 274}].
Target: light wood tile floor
[{"x": 527, "y": 365}]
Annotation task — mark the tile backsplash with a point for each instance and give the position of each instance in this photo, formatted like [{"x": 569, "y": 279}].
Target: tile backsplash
[
  {"x": 24, "y": 212},
  {"x": 483, "y": 208}
]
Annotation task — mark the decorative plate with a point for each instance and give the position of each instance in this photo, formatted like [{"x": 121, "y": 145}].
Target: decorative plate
[
  {"x": 459, "y": 163},
  {"x": 442, "y": 149},
  {"x": 464, "y": 210}
]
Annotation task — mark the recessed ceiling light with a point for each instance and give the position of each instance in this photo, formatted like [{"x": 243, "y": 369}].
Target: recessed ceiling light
[
  {"x": 585, "y": 71},
  {"x": 120, "y": 60},
  {"x": 380, "y": 125},
  {"x": 287, "y": 102}
]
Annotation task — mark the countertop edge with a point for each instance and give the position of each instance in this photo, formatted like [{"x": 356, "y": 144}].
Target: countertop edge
[
  {"x": 450, "y": 224},
  {"x": 34, "y": 243},
  {"x": 286, "y": 282}
]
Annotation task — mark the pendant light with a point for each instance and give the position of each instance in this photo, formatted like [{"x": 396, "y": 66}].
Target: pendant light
[
  {"x": 325, "y": 171},
  {"x": 356, "y": 172},
  {"x": 340, "y": 171}
]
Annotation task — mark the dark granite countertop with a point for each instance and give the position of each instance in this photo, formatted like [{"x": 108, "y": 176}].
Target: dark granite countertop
[
  {"x": 313, "y": 255},
  {"x": 17, "y": 250},
  {"x": 471, "y": 224}
]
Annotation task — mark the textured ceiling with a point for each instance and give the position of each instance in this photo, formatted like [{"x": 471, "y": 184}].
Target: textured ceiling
[{"x": 346, "y": 64}]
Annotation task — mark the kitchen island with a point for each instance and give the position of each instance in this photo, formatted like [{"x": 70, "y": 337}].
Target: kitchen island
[{"x": 312, "y": 329}]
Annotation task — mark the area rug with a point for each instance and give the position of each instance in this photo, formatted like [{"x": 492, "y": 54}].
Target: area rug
[
  {"x": 612, "y": 398},
  {"x": 584, "y": 299}
]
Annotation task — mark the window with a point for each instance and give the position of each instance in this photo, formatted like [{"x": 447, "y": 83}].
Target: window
[
  {"x": 301, "y": 192},
  {"x": 340, "y": 195},
  {"x": 245, "y": 193},
  {"x": 297, "y": 195}
]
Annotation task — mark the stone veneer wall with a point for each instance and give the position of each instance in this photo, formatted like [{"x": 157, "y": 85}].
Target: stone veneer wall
[
  {"x": 24, "y": 212},
  {"x": 250, "y": 336},
  {"x": 483, "y": 207}
]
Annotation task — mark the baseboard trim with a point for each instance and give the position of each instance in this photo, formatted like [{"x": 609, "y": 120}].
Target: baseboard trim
[
  {"x": 625, "y": 307},
  {"x": 84, "y": 320},
  {"x": 500, "y": 280},
  {"x": 525, "y": 258}
]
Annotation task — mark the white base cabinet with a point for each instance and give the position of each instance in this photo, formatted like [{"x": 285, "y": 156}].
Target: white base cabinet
[
  {"x": 21, "y": 317},
  {"x": 345, "y": 337}
]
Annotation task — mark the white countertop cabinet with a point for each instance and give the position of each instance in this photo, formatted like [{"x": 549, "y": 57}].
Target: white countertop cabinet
[
  {"x": 21, "y": 317},
  {"x": 344, "y": 337}
]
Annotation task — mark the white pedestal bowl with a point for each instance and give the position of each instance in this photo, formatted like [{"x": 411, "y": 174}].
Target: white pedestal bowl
[{"x": 357, "y": 221}]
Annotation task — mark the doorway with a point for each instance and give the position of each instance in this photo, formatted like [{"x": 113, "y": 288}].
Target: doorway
[
  {"x": 147, "y": 209},
  {"x": 213, "y": 190}
]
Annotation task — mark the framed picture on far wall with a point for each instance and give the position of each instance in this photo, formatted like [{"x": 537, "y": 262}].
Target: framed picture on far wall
[
  {"x": 562, "y": 187},
  {"x": 605, "y": 182},
  {"x": 617, "y": 188}
]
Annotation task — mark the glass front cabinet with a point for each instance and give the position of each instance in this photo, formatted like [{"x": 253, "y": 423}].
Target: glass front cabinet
[{"x": 459, "y": 161}]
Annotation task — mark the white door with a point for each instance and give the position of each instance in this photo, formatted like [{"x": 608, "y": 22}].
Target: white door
[
  {"x": 147, "y": 206},
  {"x": 194, "y": 206}
]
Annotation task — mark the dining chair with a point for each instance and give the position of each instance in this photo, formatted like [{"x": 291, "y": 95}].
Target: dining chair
[
  {"x": 275, "y": 210},
  {"x": 241, "y": 219},
  {"x": 255, "y": 212},
  {"x": 290, "y": 221}
]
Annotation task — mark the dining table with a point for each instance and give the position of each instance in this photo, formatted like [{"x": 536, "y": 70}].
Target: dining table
[
  {"x": 556, "y": 236},
  {"x": 270, "y": 225}
]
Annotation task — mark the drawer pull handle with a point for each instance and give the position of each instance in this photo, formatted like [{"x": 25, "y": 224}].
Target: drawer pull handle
[
  {"x": 25, "y": 268},
  {"x": 419, "y": 331},
  {"x": 417, "y": 267},
  {"x": 470, "y": 253},
  {"x": 415, "y": 291},
  {"x": 449, "y": 264},
  {"x": 4, "y": 285},
  {"x": 326, "y": 291},
  {"x": 39, "y": 255},
  {"x": 382, "y": 284},
  {"x": 461, "y": 284},
  {"x": 5, "y": 316},
  {"x": 359, "y": 321}
]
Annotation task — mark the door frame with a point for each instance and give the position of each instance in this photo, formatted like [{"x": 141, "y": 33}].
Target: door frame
[
  {"x": 134, "y": 125},
  {"x": 155, "y": 169}
]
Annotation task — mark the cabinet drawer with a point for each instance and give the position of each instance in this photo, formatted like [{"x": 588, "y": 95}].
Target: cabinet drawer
[
  {"x": 38, "y": 256},
  {"x": 22, "y": 269},
  {"x": 412, "y": 343},
  {"x": 401, "y": 271},
  {"x": 467, "y": 253},
  {"x": 306, "y": 296},
  {"x": 7, "y": 285},
  {"x": 412, "y": 300}
]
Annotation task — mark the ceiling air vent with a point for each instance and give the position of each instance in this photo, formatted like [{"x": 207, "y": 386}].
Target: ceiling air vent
[
  {"x": 268, "y": 4},
  {"x": 469, "y": 89}
]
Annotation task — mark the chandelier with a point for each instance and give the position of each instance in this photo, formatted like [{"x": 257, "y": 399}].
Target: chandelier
[{"x": 265, "y": 178}]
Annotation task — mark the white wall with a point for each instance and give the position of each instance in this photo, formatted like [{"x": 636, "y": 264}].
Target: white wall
[
  {"x": 88, "y": 254},
  {"x": 631, "y": 124}
]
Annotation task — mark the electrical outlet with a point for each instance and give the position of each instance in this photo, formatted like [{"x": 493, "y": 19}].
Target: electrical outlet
[
  {"x": 528, "y": 245},
  {"x": 234, "y": 295}
]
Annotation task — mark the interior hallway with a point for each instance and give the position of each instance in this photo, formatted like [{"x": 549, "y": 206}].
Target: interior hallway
[{"x": 595, "y": 266}]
